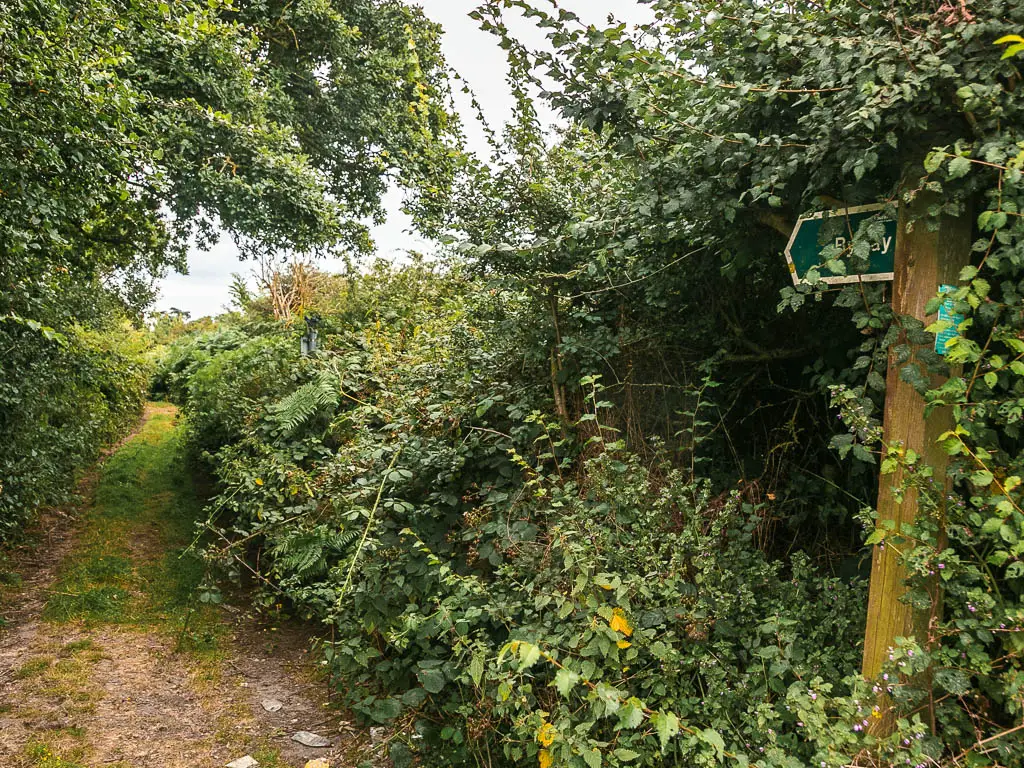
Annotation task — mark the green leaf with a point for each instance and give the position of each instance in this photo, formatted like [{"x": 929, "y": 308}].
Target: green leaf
[
  {"x": 958, "y": 167},
  {"x": 432, "y": 679},
  {"x": 953, "y": 680},
  {"x": 529, "y": 654},
  {"x": 386, "y": 709},
  {"x": 414, "y": 697},
  {"x": 400, "y": 754},
  {"x": 631, "y": 715},
  {"x": 992, "y": 525},
  {"x": 626, "y": 755},
  {"x": 476, "y": 669},
  {"x": 666, "y": 724},
  {"x": 565, "y": 680},
  {"x": 982, "y": 478},
  {"x": 714, "y": 738},
  {"x": 933, "y": 161},
  {"x": 592, "y": 758}
]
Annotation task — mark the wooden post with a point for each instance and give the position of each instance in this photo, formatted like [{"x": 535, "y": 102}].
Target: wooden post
[{"x": 925, "y": 259}]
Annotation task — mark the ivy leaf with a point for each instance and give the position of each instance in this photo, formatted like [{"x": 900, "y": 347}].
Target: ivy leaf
[{"x": 414, "y": 697}]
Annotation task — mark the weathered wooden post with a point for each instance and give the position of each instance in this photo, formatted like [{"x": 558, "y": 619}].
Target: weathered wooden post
[{"x": 926, "y": 258}]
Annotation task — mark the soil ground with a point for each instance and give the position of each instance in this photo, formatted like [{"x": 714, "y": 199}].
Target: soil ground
[{"x": 108, "y": 658}]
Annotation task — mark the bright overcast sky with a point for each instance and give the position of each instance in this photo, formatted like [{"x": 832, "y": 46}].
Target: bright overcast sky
[{"x": 477, "y": 57}]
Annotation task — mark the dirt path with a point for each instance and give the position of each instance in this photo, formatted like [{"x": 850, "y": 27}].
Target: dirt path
[{"x": 108, "y": 659}]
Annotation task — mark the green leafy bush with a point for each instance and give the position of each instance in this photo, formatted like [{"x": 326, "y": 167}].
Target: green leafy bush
[
  {"x": 63, "y": 396},
  {"x": 496, "y": 583}
]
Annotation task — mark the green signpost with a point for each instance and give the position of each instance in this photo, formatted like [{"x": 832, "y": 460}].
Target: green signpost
[{"x": 813, "y": 234}]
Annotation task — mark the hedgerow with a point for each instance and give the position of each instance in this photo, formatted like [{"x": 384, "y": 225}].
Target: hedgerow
[{"x": 63, "y": 396}]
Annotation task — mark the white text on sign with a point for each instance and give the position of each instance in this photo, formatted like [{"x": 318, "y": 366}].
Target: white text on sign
[{"x": 883, "y": 247}]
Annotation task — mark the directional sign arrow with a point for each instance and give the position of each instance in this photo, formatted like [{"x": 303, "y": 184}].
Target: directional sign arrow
[{"x": 813, "y": 234}]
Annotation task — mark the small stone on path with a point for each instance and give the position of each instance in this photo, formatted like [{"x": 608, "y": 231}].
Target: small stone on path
[
  {"x": 310, "y": 739},
  {"x": 243, "y": 762},
  {"x": 319, "y": 763},
  {"x": 271, "y": 705}
]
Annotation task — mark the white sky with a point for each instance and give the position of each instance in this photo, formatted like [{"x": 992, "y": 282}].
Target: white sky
[{"x": 477, "y": 57}]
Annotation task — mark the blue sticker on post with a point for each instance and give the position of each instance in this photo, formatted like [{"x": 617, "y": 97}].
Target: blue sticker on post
[{"x": 948, "y": 314}]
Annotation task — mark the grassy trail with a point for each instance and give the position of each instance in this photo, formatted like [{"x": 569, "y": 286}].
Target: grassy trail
[
  {"x": 130, "y": 564},
  {"x": 110, "y": 660}
]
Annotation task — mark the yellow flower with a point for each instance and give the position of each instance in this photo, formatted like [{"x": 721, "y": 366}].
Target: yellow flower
[
  {"x": 546, "y": 734},
  {"x": 623, "y": 643},
  {"x": 544, "y": 758},
  {"x": 619, "y": 622}
]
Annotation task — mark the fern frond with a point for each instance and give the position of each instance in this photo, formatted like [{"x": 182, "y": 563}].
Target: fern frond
[
  {"x": 316, "y": 397},
  {"x": 310, "y": 553}
]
